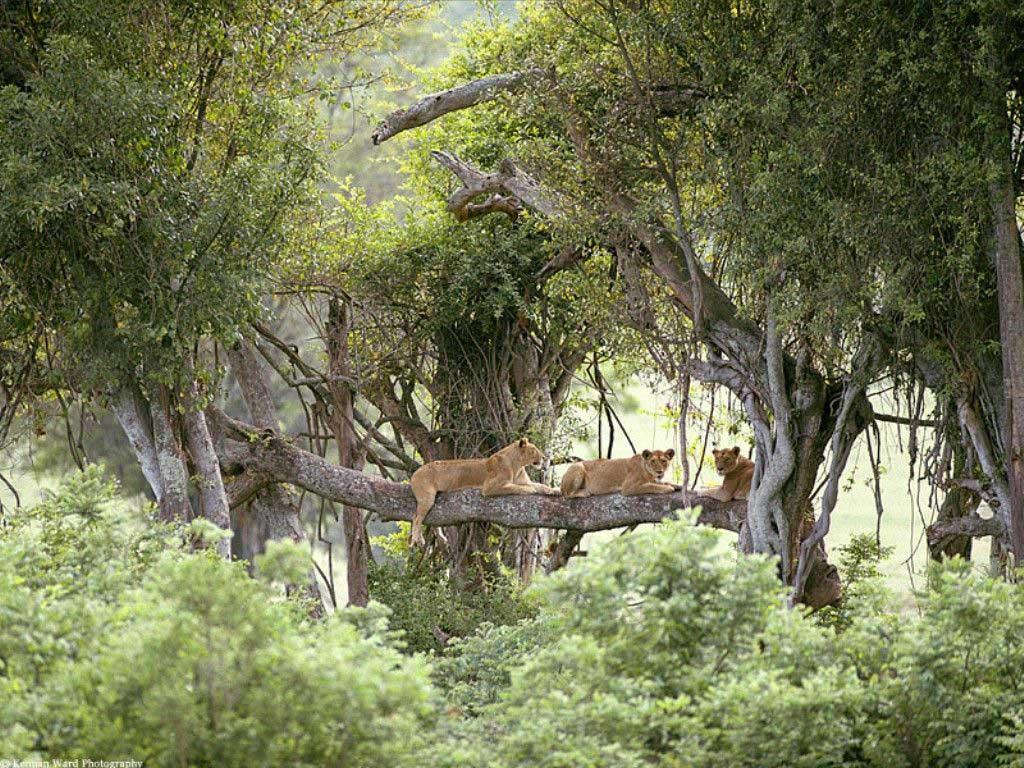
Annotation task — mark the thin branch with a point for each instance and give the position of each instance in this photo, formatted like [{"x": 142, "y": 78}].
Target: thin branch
[{"x": 905, "y": 421}]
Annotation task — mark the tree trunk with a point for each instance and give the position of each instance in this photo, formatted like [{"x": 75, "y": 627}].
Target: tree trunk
[
  {"x": 946, "y": 536},
  {"x": 561, "y": 550},
  {"x": 1011, "y": 336},
  {"x": 273, "y": 513},
  {"x": 959, "y": 503},
  {"x": 173, "y": 503},
  {"x": 357, "y": 544},
  {"x": 130, "y": 408},
  {"x": 786, "y": 518},
  {"x": 213, "y": 501}
]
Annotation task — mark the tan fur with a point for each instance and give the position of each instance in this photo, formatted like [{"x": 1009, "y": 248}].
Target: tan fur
[
  {"x": 632, "y": 477},
  {"x": 501, "y": 474},
  {"x": 737, "y": 473}
]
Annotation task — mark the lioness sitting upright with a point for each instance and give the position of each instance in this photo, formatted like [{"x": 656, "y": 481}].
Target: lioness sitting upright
[
  {"x": 501, "y": 474},
  {"x": 737, "y": 473},
  {"x": 638, "y": 475}
]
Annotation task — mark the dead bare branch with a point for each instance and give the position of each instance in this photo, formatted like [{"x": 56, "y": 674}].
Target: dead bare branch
[{"x": 436, "y": 105}]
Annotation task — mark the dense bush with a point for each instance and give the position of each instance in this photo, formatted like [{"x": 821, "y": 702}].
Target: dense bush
[
  {"x": 427, "y": 607},
  {"x": 659, "y": 648},
  {"x": 656, "y": 649},
  {"x": 119, "y": 643},
  {"x": 859, "y": 572}
]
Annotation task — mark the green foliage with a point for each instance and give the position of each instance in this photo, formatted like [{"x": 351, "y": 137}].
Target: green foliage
[
  {"x": 656, "y": 649},
  {"x": 206, "y": 532},
  {"x": 284, "y": 562},
  {"x": 64, "y": 565},
  {"x": 427, "y": 606},
  {"x": 118, "y": 642},
  {"x": 953, "y": 684},
  {"x": 156, "y": 163},
  {"x": 860, "y": 575},
  {"x": 156, "y": 236},
  {"x": 830, "y": 163}
]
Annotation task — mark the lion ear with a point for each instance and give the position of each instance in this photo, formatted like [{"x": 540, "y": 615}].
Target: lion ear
[
  {"x": 735, "y": 450},
  {"x": 670, "y": 453},
  {"x": 646, "y": 454},
  {"x": 522, "y": 442}
]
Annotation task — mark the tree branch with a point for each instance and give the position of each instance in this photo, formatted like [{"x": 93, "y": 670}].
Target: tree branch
[
  {"x": 905, "y": 421},
  {"x": 509, "y": 187},
  {"x": 436, "y": 105},
  {"x": 276, "y": 458},
  {"x": 975, "y": 526}
]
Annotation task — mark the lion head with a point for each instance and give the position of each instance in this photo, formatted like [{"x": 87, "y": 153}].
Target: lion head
[
  {"x": 726, "y": 459},
  {"x": 528, "y": 453},
  {"x": 656, "y": 462}
]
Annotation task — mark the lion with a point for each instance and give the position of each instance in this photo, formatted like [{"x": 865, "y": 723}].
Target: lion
[
  {"x": 632, "y": 477},
  {"x": 737, "y": 473},
  {"x": 502, "y": 474}
]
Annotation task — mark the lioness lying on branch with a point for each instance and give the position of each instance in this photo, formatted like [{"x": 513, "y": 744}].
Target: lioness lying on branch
[
  {"x": 737, "y": 473},
  {"x": 502, "y": 474},
  {"x": 634, "y": 476}
]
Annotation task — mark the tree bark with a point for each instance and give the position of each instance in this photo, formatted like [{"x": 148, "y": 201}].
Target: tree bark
[
  {"x": 269, "y": 511},
  {"x": 959, "y": 502},
  {"x": 266, "y": 452},
  {"x": 944, "y": 533},
  {"x": 562, "y": 550},
  {"x": 431, "y": 107},
  {"x": 357, "y": 544},
  {"x": 130, "y": 408},
  {"x": 213, "y": 500},
  {"x": 173, "y": 503},
  {"x": 1011, "y": 336},
  {"x": 275, "y": 456},
  {"x": 507, "y": 184}
]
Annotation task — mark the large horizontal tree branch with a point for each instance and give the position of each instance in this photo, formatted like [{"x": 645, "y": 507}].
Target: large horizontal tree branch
[
  {"x": 275, "y": 457},
  {"x": 436, "y": 105},
  {"x": 975, "y": 526}
]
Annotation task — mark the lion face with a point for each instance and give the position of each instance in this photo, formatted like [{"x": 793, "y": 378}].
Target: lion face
[
  {"x": 656, "y": 462},
  {"x": 726, "y": 459},
  {"x": 529, "y": 454}
]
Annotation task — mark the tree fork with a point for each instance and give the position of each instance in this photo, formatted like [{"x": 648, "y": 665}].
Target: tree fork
[{"x": 269, "y": 511}]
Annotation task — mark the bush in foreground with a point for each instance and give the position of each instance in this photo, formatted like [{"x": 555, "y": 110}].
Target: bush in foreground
[
  {"x": 119, "y": 643},
  {"x": 657, "y": 649}
]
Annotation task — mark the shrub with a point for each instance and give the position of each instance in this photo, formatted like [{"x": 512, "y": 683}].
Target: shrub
[
  {"x": 428, "y": 607},
  {"x": 120, "y": 643},
  {"x": 657, "y": 650},
  {"x": 858, "y": 568}
]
